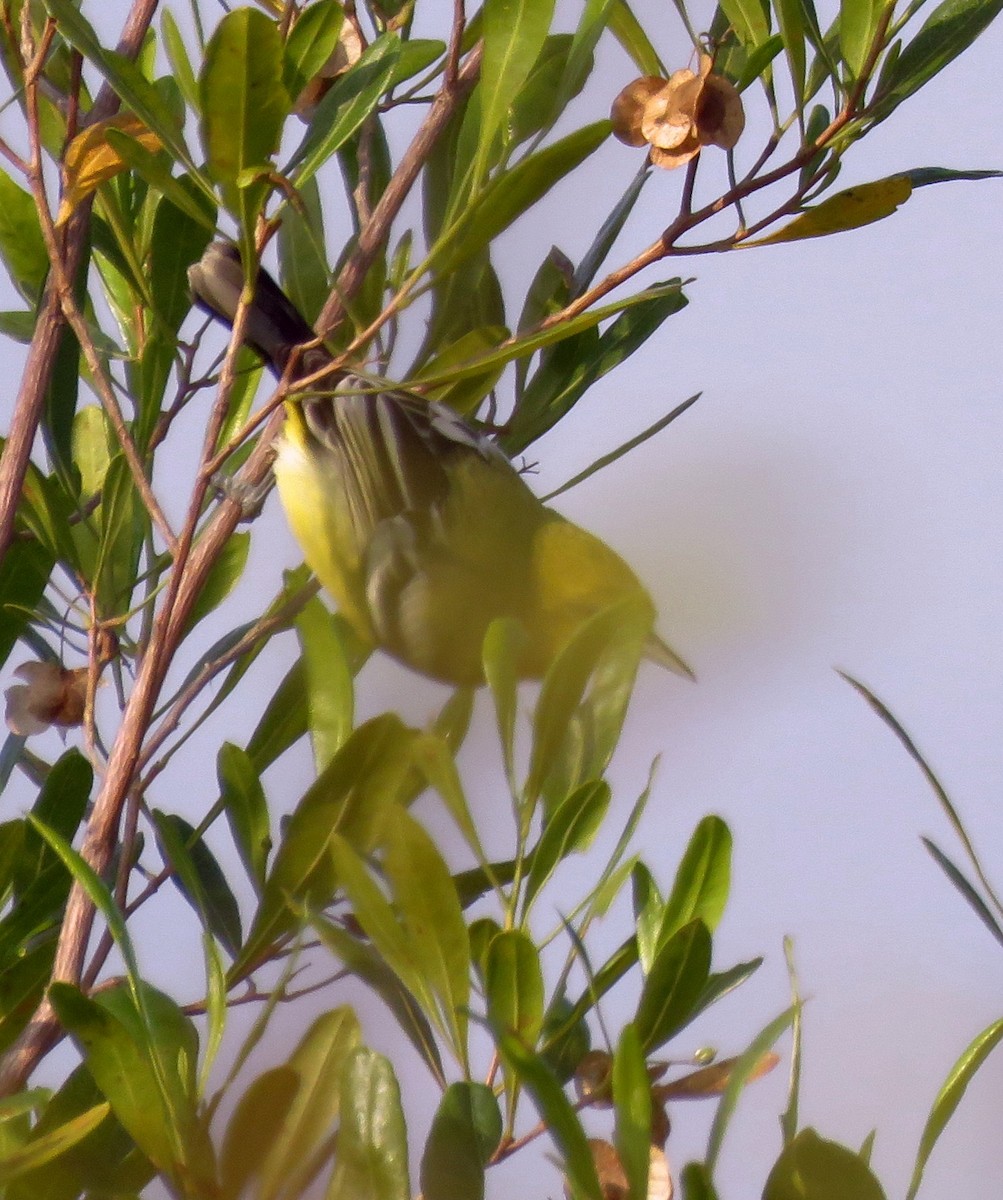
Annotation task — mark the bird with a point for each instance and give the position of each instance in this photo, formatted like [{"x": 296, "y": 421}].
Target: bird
[{"x": 415, "y": 521}]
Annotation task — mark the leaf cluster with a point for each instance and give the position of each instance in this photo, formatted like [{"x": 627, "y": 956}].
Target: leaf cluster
[{"x": 121, "y": 553}]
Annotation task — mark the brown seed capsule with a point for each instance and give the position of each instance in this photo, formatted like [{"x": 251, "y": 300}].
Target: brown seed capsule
[
  {"x": 629, "y": 108},
  {"x": 593, "y": 1078},
  {"x": 677, "y": 117},
  {"x": 50, "y": 695}
]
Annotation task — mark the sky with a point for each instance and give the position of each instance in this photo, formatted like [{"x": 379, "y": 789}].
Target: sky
[{"x": 833, "y": 500}]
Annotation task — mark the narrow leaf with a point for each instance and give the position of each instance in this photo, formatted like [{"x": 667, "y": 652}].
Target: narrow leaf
[
  {"x": 632, "y": 1102},
  {"x": 949, "y": 1097},
  {"x": 340, "y": 114},
  {"x": 857, "y": 206},
  {"x": 514, "y": 33},
  {"x": 673, "y": 986}
]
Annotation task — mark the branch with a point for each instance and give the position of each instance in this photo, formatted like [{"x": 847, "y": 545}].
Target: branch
[{"x": 377, "y": 229}]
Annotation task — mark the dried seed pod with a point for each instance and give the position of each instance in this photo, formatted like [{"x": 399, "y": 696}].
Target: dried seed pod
[
  {"x": 50, "y": 695},
  {"x": 594, "y": 1077},
  {"x": 677, "y": 117},
  {"x": 629, "y": 107}
]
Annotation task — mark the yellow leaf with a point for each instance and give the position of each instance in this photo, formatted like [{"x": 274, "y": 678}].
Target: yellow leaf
[
  {"x": 856, "y": 206},
  {"x": 90, "y": 160}
]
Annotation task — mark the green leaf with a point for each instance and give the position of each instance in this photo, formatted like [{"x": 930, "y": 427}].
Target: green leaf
[
  {"x": 857, "y": 26},
  {"x": 939, "y": 791},
  {"x": 222, "y": 578},
  {"x": 790, "y": 18},
  {"x": 256, "y": 1128},
  {"x": 606, "y": 460},
  {"x": 574, "y": 734},
  {"x": 378, "y": 919},
  {"x": 364, "y": 963},
  {"x": 329, "y": 680},
  {"x": 191, "y": 194},
  {"x": 596, "y": 16},
  {"x": 648, "y": 906},
  {"x": 748, "y": 1065},
  {"x": 126, "y": 78},
  {"x": 697, "y": 1183},
  {"x": 200, "y": 879},
  {"x": 177, "y": 241},
  {"x": 306, "y": 1125},
  {"x": 371, "y": 1162},
  {"x": 811, "y": 1168},
  {"x": 632, "y": 1102},
  {"x": 41, "y": 1150},
  {"x": 529, "y": 343},
  {"x": 22, "y": 246},
  {"x": 91, "y": 448},
  {"x": 720, "y": 983},
  {"x": 432, "y": 920},
  {"x": 310, "y": 44},
  {"x": 147, "y": 1076},
  {"x": 302, "y": 253},
  {"x": 609, "y": 231},
  {"x": 45, "y": 510},
  {"x": 177, "y": 54},
  {"x": 948, "y": 31},
  {"x": 104, "y": 1163},
  {"x": 246, "y": 809},
  {"x": 510, "y": 194},
  {"x": 503, "y": 645},
  {"x": 283, "y": 722},
  {"x": 24, "y": 976},
  {"x": 563, "y": 1123},
  {"x": 24, "y": 572},
  {"x": 629, "y": 32},
  {"x": 569, "y": 830},
  {"x": 352, "y": 98},
  {"x": 18, "y": 326},
  {"x": 61, "y": 804},
  {"x": 465, "y": 1131},
  {"x": 437, "y": 769},
  {"x": 700, "y": 889},
  {"x": 514, "y": 985},
  {"x": 673, "y": 986},
  {"x": 949, "y": 1097},
  {"x": 514, "y": 35},
  {"x": 122, "y": 526},
  {"x": 465, "y": 393},
  {"x": 749, "y": 18},
  {"x": 538, "y": 104},
  {"x": 967, "y": 890},
  {"x": 565, "y": 1039},
  {"x": 564, "y": 377},
  {"x": 416, "y": 55},
  {"x": 924, "y": 176},
  {"x": 857, "y": 206},
  {"x": 244, "y": 104},
  {"x": 347, "y": 799}
]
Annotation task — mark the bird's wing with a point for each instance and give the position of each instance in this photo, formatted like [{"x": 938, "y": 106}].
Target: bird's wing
[{"x": 396, "y": 455}]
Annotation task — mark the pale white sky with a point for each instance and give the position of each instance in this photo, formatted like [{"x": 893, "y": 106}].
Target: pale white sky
[{"x": 834, "y": 499}]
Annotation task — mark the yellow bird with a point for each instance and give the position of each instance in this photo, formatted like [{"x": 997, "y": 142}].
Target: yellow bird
[{"x": 417, "y": 523}]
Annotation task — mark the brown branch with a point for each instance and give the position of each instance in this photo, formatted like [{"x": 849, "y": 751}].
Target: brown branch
[
  {"x": 43, "y": 1030},
  {"x": 50, "y": 324},
  {"x": 377, "y": 229}
]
